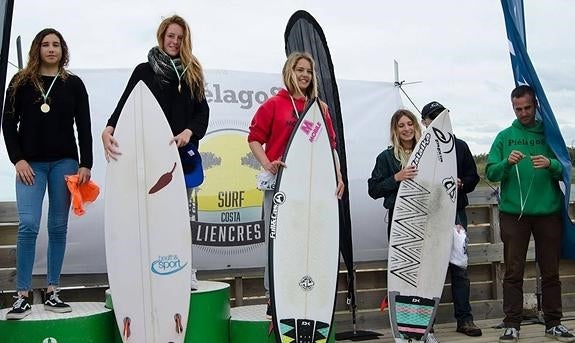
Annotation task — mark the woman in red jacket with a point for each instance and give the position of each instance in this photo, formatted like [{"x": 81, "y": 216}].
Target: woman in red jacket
[{"x": 273, "y": 123}]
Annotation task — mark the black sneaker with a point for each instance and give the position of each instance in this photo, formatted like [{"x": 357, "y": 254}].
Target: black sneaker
[
  {"x": 20, "y": 309},
  {"x": 54, "y": 304},
  {"x": 560, "y": 333},
  {"x": 509, "y": 335}
]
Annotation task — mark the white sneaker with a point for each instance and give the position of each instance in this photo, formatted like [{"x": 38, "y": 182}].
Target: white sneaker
[
  {"x": 194, "y": 282},
  {"x": 431, "y": 338},
  {"x": 560, "y": 333},
  {"x": 510, "y": 335}
]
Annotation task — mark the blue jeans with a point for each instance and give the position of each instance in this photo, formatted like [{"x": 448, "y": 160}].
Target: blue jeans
[
  {"x": 460, "y": 283},
  {"x": 29, "y": 201}
]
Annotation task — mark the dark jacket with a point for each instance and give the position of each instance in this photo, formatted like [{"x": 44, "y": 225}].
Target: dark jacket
[
  {"x": 466, "y": 171},
  {"x": 382, "y": 183}
]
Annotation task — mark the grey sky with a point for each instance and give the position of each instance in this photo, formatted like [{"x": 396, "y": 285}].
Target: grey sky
[{"x": 458, "y": 48}]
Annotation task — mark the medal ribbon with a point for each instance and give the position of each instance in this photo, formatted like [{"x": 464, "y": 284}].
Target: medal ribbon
[
  {"x": 178, "y": 74},
  {"x": 45, "y": 95}
]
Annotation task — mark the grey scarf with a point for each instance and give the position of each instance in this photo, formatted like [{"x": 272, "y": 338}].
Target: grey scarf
[{"x": 163, "y": 68}]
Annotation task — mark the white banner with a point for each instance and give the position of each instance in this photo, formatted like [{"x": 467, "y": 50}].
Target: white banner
[{"x": 227, "y": 230}]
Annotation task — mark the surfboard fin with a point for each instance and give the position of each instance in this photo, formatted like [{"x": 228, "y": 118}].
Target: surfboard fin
[
  {"x": 179, "y": 326},
  {"x": 126, "y": 332},
  {"x": 384, "y": 304}
]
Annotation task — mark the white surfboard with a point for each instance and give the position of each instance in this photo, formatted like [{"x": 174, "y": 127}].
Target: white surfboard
[
  {"x": 422, "y": 233},
  {"x": 304, "y": 235},
  {"x": 147, "y": 224}
]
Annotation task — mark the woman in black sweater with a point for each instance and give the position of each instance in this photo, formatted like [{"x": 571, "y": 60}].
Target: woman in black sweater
[
  {"x": 176, "y": 79},
  {"x": 43, "y": 103}
]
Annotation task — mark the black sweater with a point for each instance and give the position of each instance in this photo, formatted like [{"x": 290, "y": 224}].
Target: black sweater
[
  {"x": 182, "y": 110},
  {"x": 32, "y": 135}
]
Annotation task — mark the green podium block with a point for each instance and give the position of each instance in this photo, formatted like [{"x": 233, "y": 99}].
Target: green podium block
[
  {"x": 209, "y": 314},
  {"x": 89, "y": 322}
]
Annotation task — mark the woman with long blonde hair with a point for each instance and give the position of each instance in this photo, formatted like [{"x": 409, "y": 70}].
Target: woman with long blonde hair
[
  {"x": 272, "y": 126},
  {"x": 176, "y": 79},
  {"x": 391, "y": 164}
]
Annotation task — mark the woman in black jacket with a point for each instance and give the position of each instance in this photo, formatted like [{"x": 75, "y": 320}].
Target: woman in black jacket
[{"x": 390, "y": 166}]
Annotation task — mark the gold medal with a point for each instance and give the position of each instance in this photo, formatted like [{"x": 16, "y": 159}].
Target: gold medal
[
  {"x": 45, "y": 108},
  {"x": 179, "y": 87}
]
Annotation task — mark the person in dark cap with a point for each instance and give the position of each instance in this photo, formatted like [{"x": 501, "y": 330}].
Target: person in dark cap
[{"x": 467, "y": 179}]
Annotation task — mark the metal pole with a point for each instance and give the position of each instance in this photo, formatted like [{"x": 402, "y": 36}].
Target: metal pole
[{"x": 19, "y": 52}]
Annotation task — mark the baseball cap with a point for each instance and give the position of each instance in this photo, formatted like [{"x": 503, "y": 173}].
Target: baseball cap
[
  {"x": 192, "y": 163},
  {"x": 432, "y": 110}
]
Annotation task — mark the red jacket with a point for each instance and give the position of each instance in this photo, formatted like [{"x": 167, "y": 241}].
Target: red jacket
[{"x": 274, "y": 122}]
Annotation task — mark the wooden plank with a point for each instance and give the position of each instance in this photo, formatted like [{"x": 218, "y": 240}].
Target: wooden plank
[
  {"x": 7, "y": 279},
  {"x": 479, "y": 234},
  {"x": 477, "y": 214},
  {"x": 7, "y": 256},
  {"x": 496, "y": 267},
  {"x": 8, "y": 233},
  {"x": 239, "y": 290},
  {"x": 490, "y": 309},
  {"x": 445, "y": 332},
  {"x": 492, "y": 252},
  {"x": 482, "y": 196},
  {"x": 73, "y": 280},
  {"x": 479, "y": 272},
  {"x": 8, "y": 211}
]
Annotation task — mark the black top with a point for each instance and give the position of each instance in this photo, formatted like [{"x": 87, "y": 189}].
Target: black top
[
  {"x": 466, "y": 171},
  {"x": 382, "y": 182},
  {"x": 181, "y": 109},
  {"x": 32, "y": 135}
]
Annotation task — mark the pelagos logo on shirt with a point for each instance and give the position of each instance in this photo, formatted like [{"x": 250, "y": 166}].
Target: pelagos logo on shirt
[
  {"x": 166, "y": 265},
  {"x": 525, "y": 141}
]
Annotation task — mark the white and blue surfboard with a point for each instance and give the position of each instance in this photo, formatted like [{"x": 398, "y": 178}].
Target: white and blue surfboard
[{"x": 147, "y": 224}]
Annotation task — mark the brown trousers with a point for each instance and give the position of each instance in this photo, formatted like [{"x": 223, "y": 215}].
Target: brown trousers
[{"x": 515, "y": 234}]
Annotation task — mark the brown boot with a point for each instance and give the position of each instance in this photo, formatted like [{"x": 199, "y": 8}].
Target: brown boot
[{"x": 469, "y": 329}]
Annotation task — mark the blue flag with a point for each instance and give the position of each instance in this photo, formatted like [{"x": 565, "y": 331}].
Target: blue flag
[{"x": 525, "y": 74}]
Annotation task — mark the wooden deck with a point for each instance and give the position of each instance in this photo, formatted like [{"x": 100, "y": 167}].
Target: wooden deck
[
  {"x": 445, "y": 333},
  {"x": 486, "y": 271}
]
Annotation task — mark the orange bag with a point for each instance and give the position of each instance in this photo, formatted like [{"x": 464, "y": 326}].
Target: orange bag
[{"x": 81, "y": 194}]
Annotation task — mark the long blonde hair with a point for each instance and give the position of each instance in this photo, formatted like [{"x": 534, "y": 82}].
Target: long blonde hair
[
  {"x": 290, "y": 79},
  {"x": 194, "y": 73},
  {"x": 400, "y": 153}
]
